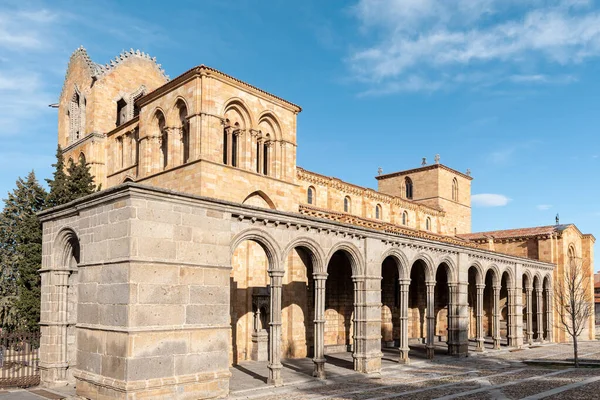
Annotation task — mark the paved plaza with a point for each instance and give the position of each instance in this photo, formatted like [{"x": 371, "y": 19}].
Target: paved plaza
[
  {"x": 492, "y": 375},
  {"x": 501, "y": 374}
]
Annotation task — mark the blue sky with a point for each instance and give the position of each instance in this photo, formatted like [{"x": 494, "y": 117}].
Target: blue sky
[{"x": 506, "y": 88}]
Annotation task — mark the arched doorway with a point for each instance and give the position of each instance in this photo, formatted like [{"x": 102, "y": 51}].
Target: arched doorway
[
  {"x": 417, "y": 309},
  {"x": 527, "y": 309},
  {"x": 475, "y": 296},
  {"x": 442, "y": 309},
  {"x": 390, "y": 304},
  {"x": 340, "y": 298},
  {"x": 255, "y": 291},
  {"x": 490, "y": 327}
]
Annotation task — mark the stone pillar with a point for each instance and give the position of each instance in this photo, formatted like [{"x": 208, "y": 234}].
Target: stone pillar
[
  {"x": 319, "y": 334},
  {"x": 479, "y": 318},
  {"x": 367, "y": 322},
  {"x": 430, "y": 319},
  {"x": 451, "y": 331},
  {"x": 549, "y": 323},
  {"x": 510, "y": 325},
  {"x": 461, "y": 319},
  {"x": 54, "y": 361},
  {"x": 496, "y": 316},
  {"x": 404, "y": 349},
  {"x": 540, "y": 320},
  {"x": 275, "y": 330},
  {"x": 529, "y": 306},
  {"x": 260, "y": 156},
  {"x": 229, "y": 145}
]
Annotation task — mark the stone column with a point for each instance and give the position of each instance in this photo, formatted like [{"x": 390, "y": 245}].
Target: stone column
[
  {"x": 540, "y": 320},
  {"x": 479, "y": 317},
  {"x": 510, "y": 328},
  {"x": 319, "y": 334},
  {"x": 496, "y": 316},
  {"x": 54, "y": 361},
  {"x": 430, "y": 319},
  {"x": 275, "y": 330},
  {"x": 229, "y": 145},
  {"x": 451, "y": 340},
  {"x": 548, "y": 314},
  {"x": 529, "y": 313},
  {"x": 367, "y": 339},
  {"x": 461, "y": 319},
  {"x": 404, "y": 349}
]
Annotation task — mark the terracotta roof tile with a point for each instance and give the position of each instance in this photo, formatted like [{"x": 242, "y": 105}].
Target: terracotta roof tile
[{"x": 515, "y": 233}]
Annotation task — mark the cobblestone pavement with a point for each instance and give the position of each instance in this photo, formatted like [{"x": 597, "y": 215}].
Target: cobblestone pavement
[{"x": 499, "y": 374}]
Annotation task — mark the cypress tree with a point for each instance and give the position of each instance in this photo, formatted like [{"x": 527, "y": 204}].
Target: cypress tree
[
  {"x": 80, "y": 181},
  {"x": 22, "y": 231},
  {"x": 59, "y": 190}
]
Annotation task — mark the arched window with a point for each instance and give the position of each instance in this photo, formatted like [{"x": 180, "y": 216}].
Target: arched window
[
  {"x": 266, "y": 156},
  {"x": 571, "y": 254},
  {"x": 347, "y": 204},
  {"x": 311, "y": 195},
  {"x": 185, "y": 131},
  {"x": 164, "y": 139},
  {"x": 428, "y": 224},
  {"x": 409, "y": 187},
  {"x": 76, "y": 115},
  {"x": 454, "y": 189},
  {"x": 404, "y": 218},
  {"x": 378, "y": 211}
]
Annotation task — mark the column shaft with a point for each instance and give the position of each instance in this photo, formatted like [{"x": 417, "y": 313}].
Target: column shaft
[
  {"x": 430, "y": 319},
  {"x": 540, "y": 320},
  {"x": 275, "y": 330},
  {"x": 479, "y": 318},
  {"x": 496, "y": 316},
  {"x": 529, "y": 332},
  {"x": 319, "y": 335},
  {"x": 404, "y": 285}
]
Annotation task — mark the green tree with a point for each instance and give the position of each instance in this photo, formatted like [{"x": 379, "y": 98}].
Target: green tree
[
  {"x": 59, "y": 185},
  {"x": 21, "y": 240},
  {"x": 80, "y": 182}
]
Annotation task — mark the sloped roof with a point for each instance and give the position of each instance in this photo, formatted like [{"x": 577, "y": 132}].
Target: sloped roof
[{"x": 516, "y": 233}]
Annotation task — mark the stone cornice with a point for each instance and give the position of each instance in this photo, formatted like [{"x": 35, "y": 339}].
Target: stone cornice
[
  {"x": 89, "y": 136},
  {"x": 278, "y": 218},
  {"x": 425, "y": 168},
  {"x": 203, "y": 70},
  {"x": 126, "y": 126},
  {"x": 349, "y": 188}
]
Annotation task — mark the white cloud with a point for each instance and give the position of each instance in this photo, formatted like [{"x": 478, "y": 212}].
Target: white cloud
[
  {"x": 439, "y": 40},
  {"x": 489, "y": 200},
  {"x": 544, "y": 207}
]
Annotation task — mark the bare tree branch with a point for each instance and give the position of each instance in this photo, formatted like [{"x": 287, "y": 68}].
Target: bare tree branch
[{"x": 573, "y": 301}]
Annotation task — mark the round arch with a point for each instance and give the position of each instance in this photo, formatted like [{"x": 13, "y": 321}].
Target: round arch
[
  {"x": 266, "y": 241},
  {"x": 174, "y": 112},
  {"x": 270, "y": 119},
  {"x": 496, "y": 275},
  {"x": 428, "y": 261},
  {"x": 315, "y": 252},
  {"x": 401, "y": 262},
  {"x": 356, "y": 261},
  {"x": 239, "y": 106},
  {"x": 537, "y": 280},
  {"x": 66, "y": 245},
  {"x": 527, "y": 274},
  {"x": 479, "y": 275},
  {"x": 450, "y": 268}
]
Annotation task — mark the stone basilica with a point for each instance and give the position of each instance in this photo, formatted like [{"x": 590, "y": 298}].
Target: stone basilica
[{"x": 208, "y": 247}]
